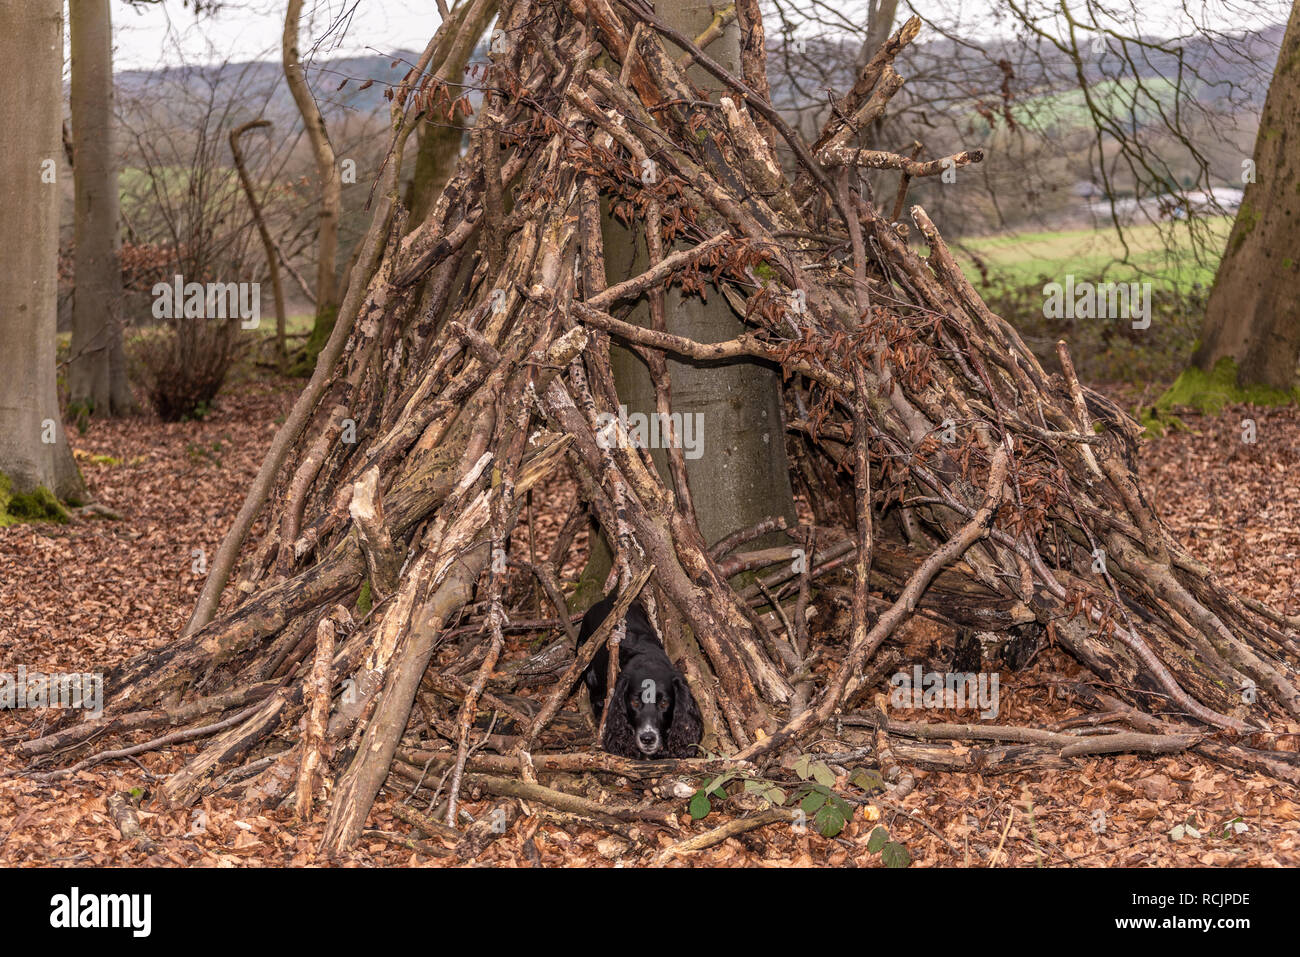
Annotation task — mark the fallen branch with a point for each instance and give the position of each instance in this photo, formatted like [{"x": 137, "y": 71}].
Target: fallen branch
[
  {"x": 717, "y": 835},
  {"x": 123, "y": 814}
]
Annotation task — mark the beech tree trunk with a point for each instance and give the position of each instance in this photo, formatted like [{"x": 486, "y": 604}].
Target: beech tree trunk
[
  {"x": 33, "y": 450},
  {"x": 97, "y": 381},
  {"x": 1253, "y": 314},
  {"x": 729, "y": 441},
  {"x": 946, "y": 469}
]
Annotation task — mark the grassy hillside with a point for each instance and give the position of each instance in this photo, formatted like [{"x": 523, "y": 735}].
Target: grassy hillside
[{"x": 1095, "y": 255}]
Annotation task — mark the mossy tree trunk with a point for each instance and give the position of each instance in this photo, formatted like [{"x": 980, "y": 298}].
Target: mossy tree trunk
[
  {"x": 440, "y": 135},
  {"x": 1253, "y": 315}
]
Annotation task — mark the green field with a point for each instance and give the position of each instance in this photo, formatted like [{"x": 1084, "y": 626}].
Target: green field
[
  {"x": 1068, "y": 109},
  {"x": 1097, "y": 254}
]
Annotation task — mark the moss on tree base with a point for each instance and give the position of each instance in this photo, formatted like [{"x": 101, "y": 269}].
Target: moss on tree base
[
  {"x": 38, "y": 505},
  {"x": 1208, "y": 393}
]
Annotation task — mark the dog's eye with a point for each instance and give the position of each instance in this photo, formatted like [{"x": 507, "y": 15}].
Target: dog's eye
[
  {"x": 663, "y": 704},
  {"x": 636, "y": 704}
]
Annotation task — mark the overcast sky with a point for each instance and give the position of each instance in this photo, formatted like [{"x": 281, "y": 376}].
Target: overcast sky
[{"x": 154, "y": 35}]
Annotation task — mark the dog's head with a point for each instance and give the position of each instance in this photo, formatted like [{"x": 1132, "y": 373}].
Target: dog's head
[{"x": 653, "y": 713}]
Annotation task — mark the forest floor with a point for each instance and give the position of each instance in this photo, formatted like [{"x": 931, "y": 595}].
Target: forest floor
[{"x": 86, "y": 596}]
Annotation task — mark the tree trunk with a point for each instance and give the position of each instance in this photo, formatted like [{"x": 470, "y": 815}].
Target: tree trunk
[
  {"x": 731, "y": 430},
  {"x": 880, "y": 24},
  {"x": 440, "y": 134},
  {"x": 1253, "y": 315},
  {"x": 435, "y": 164},
  {"x": 33, "y": 450},
  {"x": 328, "y": 177},
  {"x": 272, "y": 261},
  {"x": 946, "y": 469},
  {"x": 97, "y": 382}
]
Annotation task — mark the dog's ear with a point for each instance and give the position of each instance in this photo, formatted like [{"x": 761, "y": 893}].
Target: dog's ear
[
  {"x": 618, "y": 730},
  {"x": 687, "y": 727}
]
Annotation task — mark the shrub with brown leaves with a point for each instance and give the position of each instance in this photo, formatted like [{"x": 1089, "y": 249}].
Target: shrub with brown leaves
[{"x": 184, "y": 364}]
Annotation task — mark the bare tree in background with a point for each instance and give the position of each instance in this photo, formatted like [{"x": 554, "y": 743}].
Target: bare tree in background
[
  {"x": 328, "y": 177},
  {"x": 272, "y": 258},
  {"x": 190, "y": 218},
  {"x": 97, "y": 377},
  {"x": 1058, "y": 95}
]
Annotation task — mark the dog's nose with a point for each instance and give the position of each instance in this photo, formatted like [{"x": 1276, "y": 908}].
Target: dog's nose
[{"x": 648, "y": 740}]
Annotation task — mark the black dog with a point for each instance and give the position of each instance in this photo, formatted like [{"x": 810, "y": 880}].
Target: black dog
[{"x": 652, "y": 713}]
